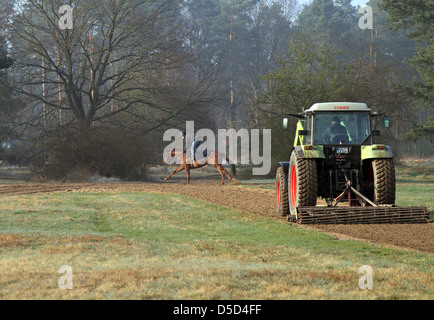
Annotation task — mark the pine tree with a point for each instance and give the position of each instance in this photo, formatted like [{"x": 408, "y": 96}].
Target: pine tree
[
  {"x": 329, "y": 24},
  {"x": 416, "y": 18}
]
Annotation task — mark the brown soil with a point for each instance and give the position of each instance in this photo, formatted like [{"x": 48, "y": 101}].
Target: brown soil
[{"x": 418, "y": 237}]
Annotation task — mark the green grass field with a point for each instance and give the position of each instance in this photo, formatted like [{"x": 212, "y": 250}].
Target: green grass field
[
  {"x": 154, "y": 246},
  {"x": 415, "y": 186},
  {"x": 166, "y": 246}
]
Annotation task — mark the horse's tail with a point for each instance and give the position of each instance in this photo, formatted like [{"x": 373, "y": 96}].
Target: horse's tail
[{"x": 233, "y": 168}]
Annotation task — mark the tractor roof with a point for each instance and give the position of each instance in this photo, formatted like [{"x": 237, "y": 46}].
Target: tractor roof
[{"x": 338, "y": 106}]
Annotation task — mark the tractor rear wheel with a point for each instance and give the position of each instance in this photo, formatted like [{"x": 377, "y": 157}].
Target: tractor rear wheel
[
  {"x": 302, "y": 183},
  {"x": 384, "y": 181},
  {"x": 282, "y": 208}
]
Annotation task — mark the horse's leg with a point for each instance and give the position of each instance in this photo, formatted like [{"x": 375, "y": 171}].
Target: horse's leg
[
  {"x": 220, "y": 167},
  {"x": 180, "y": 168},
  {"x": 187, "y": 170},
  {"x": 223, "y": 177},
  {"x": 222, "y": 170}
]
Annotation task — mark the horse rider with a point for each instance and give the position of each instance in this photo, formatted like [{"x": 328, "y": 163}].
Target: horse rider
[{"x": 191, "y": 144}]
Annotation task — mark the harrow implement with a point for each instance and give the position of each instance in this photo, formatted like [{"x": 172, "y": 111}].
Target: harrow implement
[
  {"x": 369, "y": 214},
  {"x": 362, "y": 215}
]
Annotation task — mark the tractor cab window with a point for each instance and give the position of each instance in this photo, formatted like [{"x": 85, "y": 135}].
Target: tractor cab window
[
  {"x": 341, "y": 127},
  {"x": 306, "y": 125}
]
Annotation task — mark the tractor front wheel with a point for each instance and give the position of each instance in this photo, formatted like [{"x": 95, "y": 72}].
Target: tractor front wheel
[
  {"x": 302, "y": 183},
  {"x": 282, "y": 208}
]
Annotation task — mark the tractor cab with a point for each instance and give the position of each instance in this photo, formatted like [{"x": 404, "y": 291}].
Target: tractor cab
[
  {"x": 340, "y": 127},
  {"x": 335, "y": 124}
]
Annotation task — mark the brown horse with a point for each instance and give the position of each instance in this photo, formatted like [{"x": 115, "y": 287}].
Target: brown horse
[{"x": 212, "y": 158}]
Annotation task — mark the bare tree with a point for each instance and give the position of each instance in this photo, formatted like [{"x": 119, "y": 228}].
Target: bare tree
[
  {"x": 7, "y": 102},
  {"x": 101, "y": 67}
]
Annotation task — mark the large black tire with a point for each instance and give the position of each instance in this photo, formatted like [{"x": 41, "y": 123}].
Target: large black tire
[
  {"x": 302, "y": 183},
  {"x": 282, "y": 206},
  {"x": 384, "y": 181}
]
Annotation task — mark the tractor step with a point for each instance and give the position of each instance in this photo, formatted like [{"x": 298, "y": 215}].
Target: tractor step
[{"x": 362, "y": 215}]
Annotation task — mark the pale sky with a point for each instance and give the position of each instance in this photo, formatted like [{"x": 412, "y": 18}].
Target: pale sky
[
  {"x": 354, "y": 2},
  {"x": 359, "y": 2}
]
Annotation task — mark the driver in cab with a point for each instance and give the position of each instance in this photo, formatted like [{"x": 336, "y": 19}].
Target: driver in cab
[{"x": 337, "y": 133}]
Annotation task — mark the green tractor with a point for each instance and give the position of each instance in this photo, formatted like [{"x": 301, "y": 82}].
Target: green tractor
[{"x": 334, "y": 159}]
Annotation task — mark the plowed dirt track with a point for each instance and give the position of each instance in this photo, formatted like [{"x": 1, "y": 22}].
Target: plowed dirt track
[{"x": 260, "y": 201}]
